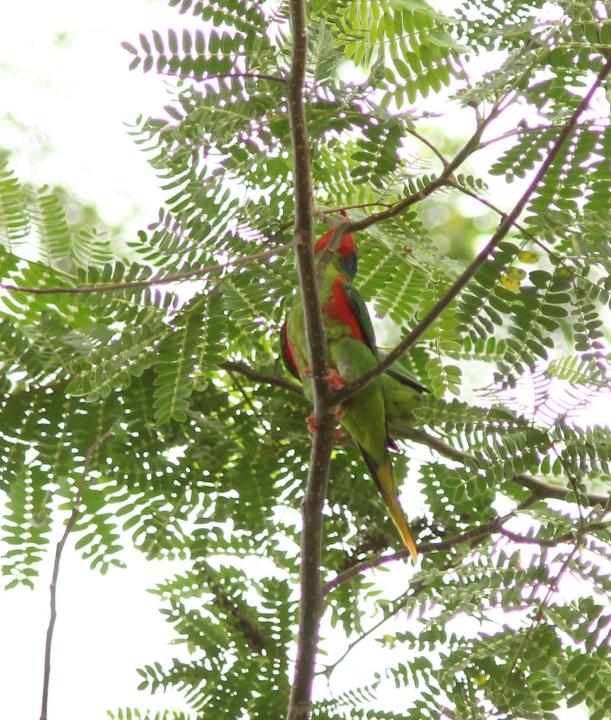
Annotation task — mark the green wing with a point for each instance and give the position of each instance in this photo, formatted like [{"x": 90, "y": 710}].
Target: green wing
[
  {"x": 359, "y": 309},
  {"x": 406, "y": 380},
  {"x": 361, "y": 313},
  {"x": 286, "y": 351}
]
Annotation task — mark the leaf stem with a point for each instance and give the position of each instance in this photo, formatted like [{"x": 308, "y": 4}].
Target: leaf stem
[{"x": 158, "y": 280}]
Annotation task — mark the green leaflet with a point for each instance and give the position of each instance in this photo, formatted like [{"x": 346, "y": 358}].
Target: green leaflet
[{"x": 186, "y": 356}]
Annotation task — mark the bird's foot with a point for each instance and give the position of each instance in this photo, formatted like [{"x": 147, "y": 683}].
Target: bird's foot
[
  {"x": 334, "y": 379},
  {"x": 311, "y": 424},
  {"x": 313, "y": 427},
  {"x": 341, "y": 437}
]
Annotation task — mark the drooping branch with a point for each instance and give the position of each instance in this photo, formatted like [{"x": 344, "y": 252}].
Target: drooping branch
[
  {"x": 310, "y": 604},
  {"x": 449, "y": 168},
  {"x": 495, "y": 526},
  {"x": 251, "y": 374},
  {"x": 56, "y": 564},
  {"x": 539, "y": 488},
  {"x": 502, "y": 230},
  {"x": 431, "y": 146},
  {"x": 473, "y": 535},
  {"x": 490, "y": 205},
  {"x": 538, "y": 615},
  {"x": 157, "y": 280},
  {"x": 394, "y": 607}
]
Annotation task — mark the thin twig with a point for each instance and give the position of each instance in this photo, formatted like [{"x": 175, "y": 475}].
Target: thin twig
[
  {"x": 471, "y": 270},
  {"x": 526, "y": 233},
  {"x": 415, "y": 589},
  {"x": 257, "y": 376},
  {"x": 358, "y": 206},
  {"x": 468, "y": 148},
  {"x": 158, "y": 280},
  {"x": 478, "y": 533},
  {"x": 553, "y": 586},
  {"x": 425, "y": 141},
  {"x": 525, "y": 129},
  {"x": 484, "y": 201},
  {"x": 401, "y": 601},
  {"x": 538, "y": 487},
  {"x": 245, "y": 396},
  {"x": 525, "y": 540},
  {"x": 220, "y": 76},
  {"x": 474, "y": 105},
  {"x": 56, "y": 563}
]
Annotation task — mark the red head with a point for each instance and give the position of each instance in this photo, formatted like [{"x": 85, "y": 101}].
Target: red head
[{"x": 347, "y": 251}]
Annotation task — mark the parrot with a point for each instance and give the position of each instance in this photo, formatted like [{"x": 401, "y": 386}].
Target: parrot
[
  {"x": 352, "y": 352},
  {"x": 401, "y": 395}
]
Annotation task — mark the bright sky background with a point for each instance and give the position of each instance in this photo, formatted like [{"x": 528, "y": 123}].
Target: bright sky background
[{"x": 66, "y": 95}]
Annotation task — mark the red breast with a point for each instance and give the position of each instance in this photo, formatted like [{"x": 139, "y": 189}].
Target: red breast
[{"x": 338, "y": 308}]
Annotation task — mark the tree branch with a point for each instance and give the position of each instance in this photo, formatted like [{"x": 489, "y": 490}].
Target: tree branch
[
  {"x": 56, "y": 563},
  {"x": 539, "y": 488},
  {"x": 310, "y": 604},
  {"x": 449, "y": 167},
  {"x": 471, "y": 270},
  {"x": 479, "y": 533},
  {"x": 251, "y": 374},
  {"x": 158, "y": 280},
  {"x": 221, "y": 76},
  {"x": 431, "y": 146}
]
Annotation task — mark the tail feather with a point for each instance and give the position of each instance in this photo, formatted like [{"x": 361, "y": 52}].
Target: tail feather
[
  {"x": 406, "y": 380},
  {"x": 387, "y": 487}
]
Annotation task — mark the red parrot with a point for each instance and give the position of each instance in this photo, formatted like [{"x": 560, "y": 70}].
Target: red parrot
[{"x": 352, "y": 352}]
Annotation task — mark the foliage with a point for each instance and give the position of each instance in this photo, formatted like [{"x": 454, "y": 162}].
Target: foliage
[{"x": 207, "y": 462}]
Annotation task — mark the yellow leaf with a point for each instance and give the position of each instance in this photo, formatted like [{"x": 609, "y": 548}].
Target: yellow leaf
[
  {"x": 527, "y": 256},
  {"x": 516, "y": 273},
  {"x": 389, "y": 640},
  {"x": 511, "y": 284}
]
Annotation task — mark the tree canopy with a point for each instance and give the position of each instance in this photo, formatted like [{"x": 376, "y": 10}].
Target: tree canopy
[{"x": 142, "y": 397}]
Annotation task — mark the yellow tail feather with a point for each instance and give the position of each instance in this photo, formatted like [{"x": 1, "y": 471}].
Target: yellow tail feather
[{"x": 386, "y": 485}]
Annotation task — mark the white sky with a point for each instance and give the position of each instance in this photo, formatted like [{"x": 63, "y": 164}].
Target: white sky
[{"x": 65, "y": 94}]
